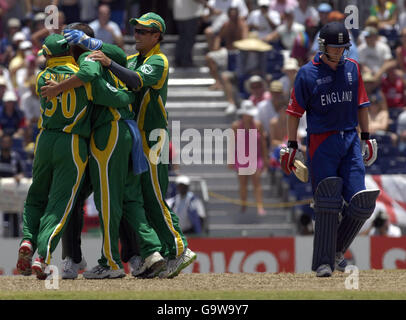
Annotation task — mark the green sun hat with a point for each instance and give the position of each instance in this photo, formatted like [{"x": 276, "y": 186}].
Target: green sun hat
[
  {"x": 150, "y": 20},
  {"x": 55, "y": 44}
]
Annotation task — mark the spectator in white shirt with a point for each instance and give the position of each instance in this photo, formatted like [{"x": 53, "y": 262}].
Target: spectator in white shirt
[
  {"x": 287, "y": 31},
  {"x": 189, "y": 208},
  {"x": 105, "y": 29},
  {"x": 381, "y": 226},
  {"x": 268, "y": 109},
  {"x": 30, "y": 103},
  {"x": 373, "y": 53},
  {"x": 263, "y": 20}
]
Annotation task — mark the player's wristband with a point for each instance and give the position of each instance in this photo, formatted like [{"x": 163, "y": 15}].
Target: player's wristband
[
  {"x": 292, "y": 144},
  {"x": 364, "y": 135}
]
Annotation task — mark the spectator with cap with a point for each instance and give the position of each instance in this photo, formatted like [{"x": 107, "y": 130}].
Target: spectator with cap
[
  {"x": 382, "y": 226},
  {"x": 269, "y": 108},
  {"x": 6, "y": 43},
  {"x": 263, "y": 20},
  {"x": 188, "y": 207},
  {"x": 256, "y": 163},
  {"x": 287, "y": 31},
  {"x": 106, "y": 30},
  {"x": 12, "y": 120},
  {"x": 374, "y": 53},
  {"x": 289, "y": 70},
  {"x": 187, "y": 14},
  {"x": 372, "y": 21},
  {"x": 257, "y": 89},
  {"x": 23, "y": 74},
  {"x": 19, "y": 61}
]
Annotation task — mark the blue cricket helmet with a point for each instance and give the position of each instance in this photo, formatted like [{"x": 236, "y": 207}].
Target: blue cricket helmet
[{"x": 334, "y": 34}]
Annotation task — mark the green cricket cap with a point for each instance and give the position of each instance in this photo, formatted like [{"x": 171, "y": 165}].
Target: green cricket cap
[
  {"x": 55, "y": 44},
  {"x": 150, "y": 20}
]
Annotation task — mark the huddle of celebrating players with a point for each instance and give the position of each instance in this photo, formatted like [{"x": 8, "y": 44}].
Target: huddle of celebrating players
[{"x": 94, "y": 137}]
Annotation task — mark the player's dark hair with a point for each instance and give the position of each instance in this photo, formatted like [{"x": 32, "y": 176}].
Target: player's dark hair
[{"x": 77, "y": 50}]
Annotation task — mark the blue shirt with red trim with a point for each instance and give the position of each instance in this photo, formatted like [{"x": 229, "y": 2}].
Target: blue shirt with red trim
[{"x": 330, "y": 98}]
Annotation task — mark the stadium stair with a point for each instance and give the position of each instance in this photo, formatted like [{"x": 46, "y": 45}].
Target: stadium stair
[{"x": 196, "y": 107}]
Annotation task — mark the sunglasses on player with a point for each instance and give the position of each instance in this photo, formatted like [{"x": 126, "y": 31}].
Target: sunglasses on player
[{"x": 143, "y": 31}]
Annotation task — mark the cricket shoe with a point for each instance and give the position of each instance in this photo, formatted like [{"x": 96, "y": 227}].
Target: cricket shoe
[
  {"x": 175, "y": 266},
  {"x": 24, "y": 261},
  {"x": 38, "y": 267},
  {"x": 70, "y": 269},
  {"x": 324, "y": 271},
  {"x": 340, "y": 262},
  {"x": 101, "y": 272},
  {"x": 137, "y": 265},
  {"x": 154, "y": 264}
]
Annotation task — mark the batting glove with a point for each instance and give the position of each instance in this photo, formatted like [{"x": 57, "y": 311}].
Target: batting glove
[
  {"x": 288, "y": 155},
  {"x": 369, "y": 149},
  {"x": 78, "y": 37}
]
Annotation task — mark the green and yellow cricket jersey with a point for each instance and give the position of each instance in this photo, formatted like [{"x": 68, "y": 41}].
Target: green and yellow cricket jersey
[
  {"x": 153, "y": 70},
  {"x": 70, "y": 111},
  {"x": 92, "y": 72}
]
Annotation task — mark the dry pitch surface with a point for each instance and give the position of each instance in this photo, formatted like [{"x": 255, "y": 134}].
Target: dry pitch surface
[{"x": 373, "y": 284}]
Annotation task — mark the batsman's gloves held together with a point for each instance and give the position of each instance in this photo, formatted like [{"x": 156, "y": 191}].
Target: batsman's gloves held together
[
  {"x": 369, "y": 149},
  {"x": 288, "y": 155},
  {"x": 78, "y": 37}
]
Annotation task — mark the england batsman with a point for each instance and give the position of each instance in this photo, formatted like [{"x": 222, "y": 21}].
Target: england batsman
[{"x": 331, "y": 91}]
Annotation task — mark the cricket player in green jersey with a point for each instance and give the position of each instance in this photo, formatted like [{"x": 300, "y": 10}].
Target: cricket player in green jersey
[
  {"x": 147, "y": 75},
  {"x": 61, "y": 155},
  {"x": 111, "y": 173}
]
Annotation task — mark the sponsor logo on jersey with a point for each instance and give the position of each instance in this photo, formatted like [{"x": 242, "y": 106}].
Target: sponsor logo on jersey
[
  {"x": 324, "y": 80},
  {"x": 146, "y": 68},
  {"x": 335, "y": 97},
  {"x": 349, "y": 75}
]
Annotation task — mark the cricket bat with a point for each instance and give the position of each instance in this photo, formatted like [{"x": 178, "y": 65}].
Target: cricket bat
[{"x": 300, "y": 171}]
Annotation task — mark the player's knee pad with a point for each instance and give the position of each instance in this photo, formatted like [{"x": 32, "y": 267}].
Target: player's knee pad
[
  {"x": 328, "y": 204},
  {"x": 360, "y": 208},
  {"x": 328, "y": 198},
  {"x": 362, "y": 204}
]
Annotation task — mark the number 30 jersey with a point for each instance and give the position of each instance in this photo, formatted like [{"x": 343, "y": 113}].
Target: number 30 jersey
[{"x": 71, "y": 111}]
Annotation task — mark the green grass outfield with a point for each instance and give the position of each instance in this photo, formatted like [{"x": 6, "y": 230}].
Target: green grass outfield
[
  {"x": 205, "y": 295},
  {"x": 372, "y": 285}
]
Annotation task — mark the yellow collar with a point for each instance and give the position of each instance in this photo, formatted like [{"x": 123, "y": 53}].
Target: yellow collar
[
  {"x": 156, "y": 49},
  {"x": 61, "y": 61}
]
